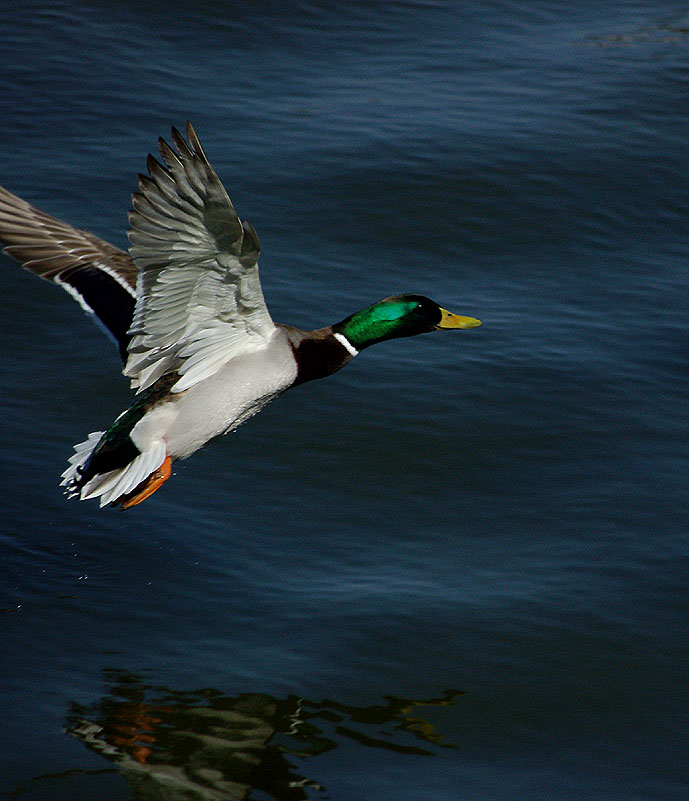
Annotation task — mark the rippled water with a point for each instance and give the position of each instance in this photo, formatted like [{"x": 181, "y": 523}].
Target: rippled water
[{"x": 458, "y": 568}]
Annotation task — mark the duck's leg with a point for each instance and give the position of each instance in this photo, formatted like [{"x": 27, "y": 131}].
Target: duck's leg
[{"x": 147, "y": 487}]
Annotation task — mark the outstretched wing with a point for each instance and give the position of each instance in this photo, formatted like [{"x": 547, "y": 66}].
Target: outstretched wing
[
  {"x": 199, "y": 299},
  {"x": 99, "y": 275}
]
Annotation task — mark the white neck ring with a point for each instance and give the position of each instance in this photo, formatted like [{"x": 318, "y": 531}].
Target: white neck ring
[{"x": 342, "y": 339}]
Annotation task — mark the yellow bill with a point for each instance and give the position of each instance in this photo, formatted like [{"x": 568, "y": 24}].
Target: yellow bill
[{"x": 450, "y": 320}]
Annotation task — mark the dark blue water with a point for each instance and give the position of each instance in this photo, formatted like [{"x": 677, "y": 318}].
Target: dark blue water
[{"x": 458, "y": 568}]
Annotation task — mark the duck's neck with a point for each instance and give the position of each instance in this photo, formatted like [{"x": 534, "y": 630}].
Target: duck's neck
[
  {"x": 358, "y": 331},
  {"x": 319, "y": 353}
]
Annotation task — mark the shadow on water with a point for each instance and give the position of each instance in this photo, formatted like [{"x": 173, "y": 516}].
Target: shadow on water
[{"x": 205, "y": 745}]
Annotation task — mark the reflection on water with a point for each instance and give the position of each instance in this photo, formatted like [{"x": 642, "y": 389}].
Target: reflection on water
[{"x": 205, "y": 745}]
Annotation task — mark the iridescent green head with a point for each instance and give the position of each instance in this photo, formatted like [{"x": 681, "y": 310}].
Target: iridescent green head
[{"x": 398, "y": 316}]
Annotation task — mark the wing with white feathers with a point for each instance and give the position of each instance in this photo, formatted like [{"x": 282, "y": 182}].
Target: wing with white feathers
[{"x": 199, "y": 298}]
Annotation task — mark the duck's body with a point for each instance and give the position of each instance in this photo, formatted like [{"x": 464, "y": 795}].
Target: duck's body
[
  {"x": 187, "y": 311},
  {"x": 235, "y": 393}
]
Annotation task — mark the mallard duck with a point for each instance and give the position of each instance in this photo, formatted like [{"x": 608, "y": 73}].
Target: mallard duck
[{"x": 186, "y": 309}]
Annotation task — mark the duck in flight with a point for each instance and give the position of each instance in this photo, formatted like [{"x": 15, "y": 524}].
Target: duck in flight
[{"x": 186, "y": 309}]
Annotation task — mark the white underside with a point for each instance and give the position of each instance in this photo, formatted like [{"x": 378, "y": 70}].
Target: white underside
[
  {"x": 225, "y": 400},
  {"x": 188, "y": 420}
]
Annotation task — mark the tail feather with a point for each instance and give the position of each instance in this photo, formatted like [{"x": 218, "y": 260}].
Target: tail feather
[
  {"x": 110, "y": 486},
  {"x": 82, "y": 453}
]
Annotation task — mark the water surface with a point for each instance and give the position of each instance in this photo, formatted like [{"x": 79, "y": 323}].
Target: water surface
[{"x": 458, "y": 568}]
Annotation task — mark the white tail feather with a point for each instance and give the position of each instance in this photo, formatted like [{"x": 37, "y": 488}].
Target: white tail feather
[
  {"x": 112, "y": 485},
  {"x": 82, "y": 451}
]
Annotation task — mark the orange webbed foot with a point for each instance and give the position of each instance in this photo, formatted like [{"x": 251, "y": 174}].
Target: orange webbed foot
[{"x": 148, "y": 486}]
